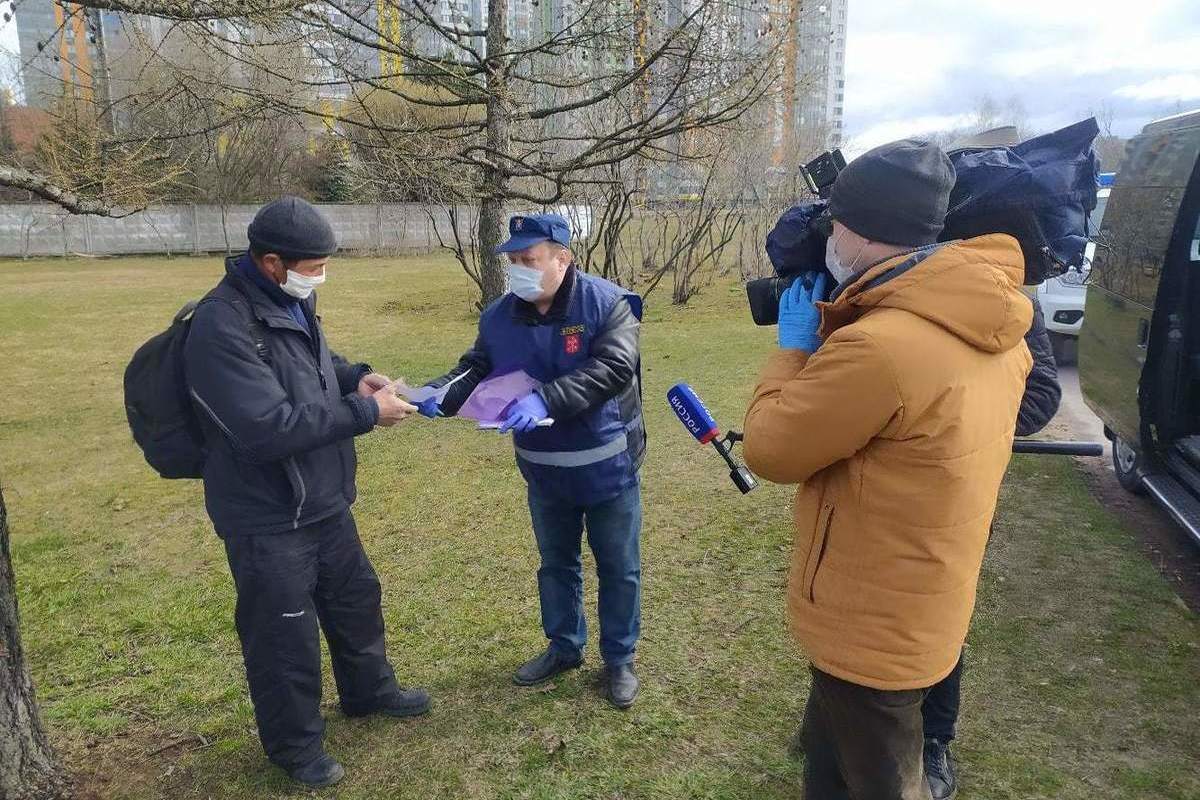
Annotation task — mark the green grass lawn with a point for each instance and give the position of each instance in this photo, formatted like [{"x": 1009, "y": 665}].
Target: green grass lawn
[{"x": 1083, "y": 667}]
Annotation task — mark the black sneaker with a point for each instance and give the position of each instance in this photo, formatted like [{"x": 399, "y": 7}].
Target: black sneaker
[
  {"x": 544, "y": 667},
  {"x": 939, "y": 770},
  {"x": 321, "y": 771},
  {"x": 622, "y": 685}
]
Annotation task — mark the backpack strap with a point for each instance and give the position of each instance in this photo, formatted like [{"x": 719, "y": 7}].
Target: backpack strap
[
  {"x": 186, "y": 312},
  {"x": 257, "y": 332}
]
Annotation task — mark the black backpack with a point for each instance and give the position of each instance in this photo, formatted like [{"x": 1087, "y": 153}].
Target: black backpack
[{"x": 157, "y": 405}]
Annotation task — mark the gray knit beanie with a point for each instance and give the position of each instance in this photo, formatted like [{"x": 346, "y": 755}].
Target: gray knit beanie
[
  {"x": 291, "y": 228},
  {"x": 897, "y": 193}
]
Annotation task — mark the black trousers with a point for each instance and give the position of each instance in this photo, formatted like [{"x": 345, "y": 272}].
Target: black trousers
[
  {"x": 862, "y": 743},
  {"x": 288, "y": 584},
  {"x": 939, "y": 712}
]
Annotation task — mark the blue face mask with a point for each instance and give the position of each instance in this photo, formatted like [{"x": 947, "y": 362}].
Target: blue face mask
[{"x": 524, "y": 282}]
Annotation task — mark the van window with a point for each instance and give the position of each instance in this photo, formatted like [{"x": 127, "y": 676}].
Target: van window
[{"x": 1141, "y": 214}]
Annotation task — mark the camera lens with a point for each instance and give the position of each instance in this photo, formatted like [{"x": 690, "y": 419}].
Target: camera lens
[{"x": 764, "y": 295}]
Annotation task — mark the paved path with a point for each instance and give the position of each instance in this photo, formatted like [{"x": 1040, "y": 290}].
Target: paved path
[{"x": 1168, "y": 547}]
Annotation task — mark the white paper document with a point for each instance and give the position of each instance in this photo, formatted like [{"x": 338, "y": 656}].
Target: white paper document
[
  {"x": 492, "y": 426},
  {"x": 423, "y": 393}
]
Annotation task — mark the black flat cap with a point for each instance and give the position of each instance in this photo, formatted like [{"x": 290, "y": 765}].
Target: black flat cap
[
  {"x": 897, "y": 193},
  {"x": 291, "y": 228}
]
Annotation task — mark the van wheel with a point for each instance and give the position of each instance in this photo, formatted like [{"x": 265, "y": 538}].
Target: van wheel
[
  {"x": 1065, "y": 349},
  {"x": 1128, "y": 465}
]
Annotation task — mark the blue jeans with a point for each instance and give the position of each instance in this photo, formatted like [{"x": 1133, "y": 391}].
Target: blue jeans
[{"x": 614, "y": 529}]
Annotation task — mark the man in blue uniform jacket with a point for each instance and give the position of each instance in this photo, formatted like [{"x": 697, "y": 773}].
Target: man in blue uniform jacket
[{"x": 578, "y": 335}]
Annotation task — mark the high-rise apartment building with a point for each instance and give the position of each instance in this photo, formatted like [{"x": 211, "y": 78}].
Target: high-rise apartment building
[
  {"x": 63, "y": 50},
  {"x": 818, "y": 63},
  {"x": 69, "y": 50}
]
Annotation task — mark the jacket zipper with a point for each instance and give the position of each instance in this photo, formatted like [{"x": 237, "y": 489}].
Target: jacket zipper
[
  {"x": 812, "y": 582},
  {"x": 315, "y": 348},
  {"x": 303, "y": 491},
  {"x": 315, "y": 336}
]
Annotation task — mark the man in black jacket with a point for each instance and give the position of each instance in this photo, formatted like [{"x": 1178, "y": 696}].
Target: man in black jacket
[
  {"x": 280, "y": 412},
  {"x": 579, "y": 439},
  {"x": 1039, "y": 404},
  {"x": 939, "y": 710}
]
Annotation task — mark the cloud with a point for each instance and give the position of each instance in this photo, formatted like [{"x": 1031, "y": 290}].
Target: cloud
[
  {"x": 1171, "y": 87},
  {"x": 881, "y": 72},
  {"x": 1083, "y": 58},
  {"x": 892, "y": 130},
  {"x": 910, "y": 63}
]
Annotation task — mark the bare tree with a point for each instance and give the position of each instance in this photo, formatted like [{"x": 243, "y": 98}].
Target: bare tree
[
  {"x": 101, "y": 187},
  {"x": 77, "y": 156},
  {"x": 1109, "y": 146},
  {"x": 29, "y": 769},
  {"x": 608, "y": 210},
  {"x": 988, "y": 114},
  {"x": 521, "y": 117},
  {"x": 534, "y": 118}
]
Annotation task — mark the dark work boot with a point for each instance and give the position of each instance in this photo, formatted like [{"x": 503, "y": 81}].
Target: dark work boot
[
  {"x": 939, "y": 770},
  {"x": 409, "y": 703},
  {"x": 321, "y": 771},
  {"x": 544, "y": 667},
  {"x": 622, "y": 685}
]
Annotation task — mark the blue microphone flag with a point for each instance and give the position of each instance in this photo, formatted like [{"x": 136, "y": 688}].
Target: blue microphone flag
[{"x": 692, "y": 412}]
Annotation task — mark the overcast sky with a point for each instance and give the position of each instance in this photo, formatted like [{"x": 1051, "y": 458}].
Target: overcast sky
[{"x": 915, "y": 66}]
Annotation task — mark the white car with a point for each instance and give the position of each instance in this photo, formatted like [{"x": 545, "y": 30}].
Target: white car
[{"x": 1062, "y": 297}]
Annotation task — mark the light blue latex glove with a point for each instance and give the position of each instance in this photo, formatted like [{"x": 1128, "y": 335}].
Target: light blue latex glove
[
  {"x": 525, "y": 414},
  {"x": 429, "y": 408},
  {"x": 799, "y": 317}
]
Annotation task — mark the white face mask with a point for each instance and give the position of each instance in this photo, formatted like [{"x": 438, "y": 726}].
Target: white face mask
[
  {"x": 840, "y": 272},
  {"x": 301, "y": 286},
  {"x": 525, "y": 282}
]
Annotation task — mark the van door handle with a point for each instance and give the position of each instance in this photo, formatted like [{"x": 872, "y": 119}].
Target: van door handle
[{"x": 1143, "y": 332}]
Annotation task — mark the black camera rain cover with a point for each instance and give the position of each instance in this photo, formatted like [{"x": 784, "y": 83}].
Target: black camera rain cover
[
  {"x": 791, "y": 245},
  {"x": 1041, "y": 191}
]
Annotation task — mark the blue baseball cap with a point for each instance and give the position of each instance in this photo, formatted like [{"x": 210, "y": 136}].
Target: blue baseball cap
[{"x": 527, "y": 231}]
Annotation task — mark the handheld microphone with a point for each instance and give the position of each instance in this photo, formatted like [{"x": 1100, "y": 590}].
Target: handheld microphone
[
  {"x": 692, "y": 412},
  {"x": 699, "y": 421}
]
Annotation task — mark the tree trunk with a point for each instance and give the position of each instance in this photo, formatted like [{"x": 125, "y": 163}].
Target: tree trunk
[
  {"x": 29, "y": 770},
  {"x": 495, "y": 177}
]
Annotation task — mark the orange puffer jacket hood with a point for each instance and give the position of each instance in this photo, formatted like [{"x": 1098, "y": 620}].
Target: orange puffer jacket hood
[{"x": 898, "y": 431}]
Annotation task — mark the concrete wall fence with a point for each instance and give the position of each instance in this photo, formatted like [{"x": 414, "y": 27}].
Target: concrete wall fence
[{"x": 38, "y": 229}]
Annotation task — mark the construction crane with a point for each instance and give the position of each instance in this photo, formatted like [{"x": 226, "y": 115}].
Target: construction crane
[{"x": 791, "y": 65}]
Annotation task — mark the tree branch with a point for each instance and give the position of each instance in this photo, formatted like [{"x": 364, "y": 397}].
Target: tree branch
[
  {"x": 199, "y": 10},
  {"x": 19, "y": 178}
]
